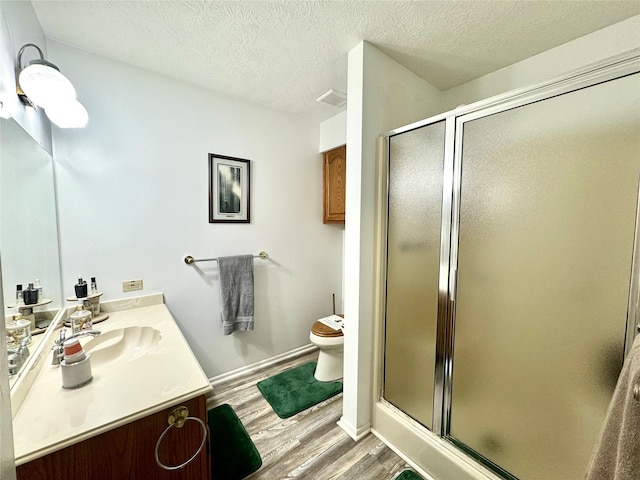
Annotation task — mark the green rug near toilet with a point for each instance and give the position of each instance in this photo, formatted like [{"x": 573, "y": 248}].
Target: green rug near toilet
[
  {"x": 409, "y": 475},
  {"x": 233, "y": 454},
  {"x": 296, "y": 390}
]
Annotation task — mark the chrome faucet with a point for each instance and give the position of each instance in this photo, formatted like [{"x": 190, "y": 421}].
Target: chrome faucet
[
  {"x": 58, "y": 347},
  {"x": 84, "y": 333},
  {"x": 17, "y": 357}
]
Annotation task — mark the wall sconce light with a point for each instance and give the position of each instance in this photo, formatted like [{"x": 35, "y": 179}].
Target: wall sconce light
[{"x": 41, "y": 84}]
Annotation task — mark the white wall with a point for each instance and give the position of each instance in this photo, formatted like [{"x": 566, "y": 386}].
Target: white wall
[
  {"x": 382, "y": 94},
  {"x": 133, "y": 201},
  {"x": 19, "y": 26},
  {"x": 597, "y": 46},
  {"x": 333, "y": 132}
]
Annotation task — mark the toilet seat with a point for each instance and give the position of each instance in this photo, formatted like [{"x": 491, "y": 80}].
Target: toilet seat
[{"x": 321, "y": 330}]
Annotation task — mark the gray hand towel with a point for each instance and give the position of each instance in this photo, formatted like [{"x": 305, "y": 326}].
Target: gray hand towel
[
  {"x": 236, "y": 293},
  {"x": 617, "y": 453}
]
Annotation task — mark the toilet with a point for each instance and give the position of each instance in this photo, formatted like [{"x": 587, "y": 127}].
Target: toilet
[{"x": 331, "y": 345}]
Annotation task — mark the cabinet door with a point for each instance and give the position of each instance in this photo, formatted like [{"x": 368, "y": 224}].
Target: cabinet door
[
  {"x": 127, "y": 452},
  {"x": 335, "y": 176}
]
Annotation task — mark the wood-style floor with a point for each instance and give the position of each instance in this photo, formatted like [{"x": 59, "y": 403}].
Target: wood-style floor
[{"x": 308, "y": 445}]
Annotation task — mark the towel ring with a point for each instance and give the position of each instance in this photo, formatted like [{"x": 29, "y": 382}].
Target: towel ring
[{"x": 177, "y": 417}]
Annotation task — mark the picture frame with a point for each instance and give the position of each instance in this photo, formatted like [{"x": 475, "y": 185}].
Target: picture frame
[{"x": 229, "y": 189}]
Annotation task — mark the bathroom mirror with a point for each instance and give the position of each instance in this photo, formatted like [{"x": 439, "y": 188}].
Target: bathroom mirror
[{"x": 28, "y": 227}]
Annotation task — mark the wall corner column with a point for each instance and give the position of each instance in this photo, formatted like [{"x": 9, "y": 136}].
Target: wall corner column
[{"x": 358, "y": 251}]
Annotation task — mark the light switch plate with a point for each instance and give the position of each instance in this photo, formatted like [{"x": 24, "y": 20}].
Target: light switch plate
[{"x": 131, "y": 285}]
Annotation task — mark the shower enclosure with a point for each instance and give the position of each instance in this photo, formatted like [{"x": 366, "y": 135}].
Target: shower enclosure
[{"x": 509, "y": 291}]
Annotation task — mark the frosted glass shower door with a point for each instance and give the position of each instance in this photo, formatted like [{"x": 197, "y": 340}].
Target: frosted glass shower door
[
  {"x": 416, "y": 160},
  {"x": 548, "y": 197}
]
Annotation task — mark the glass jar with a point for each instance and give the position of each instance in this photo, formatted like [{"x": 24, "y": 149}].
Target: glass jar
[
  {"x": 16, "y": 330},
  {"x": 80, "y": 320}
]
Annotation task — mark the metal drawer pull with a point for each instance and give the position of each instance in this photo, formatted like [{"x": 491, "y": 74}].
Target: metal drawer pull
[
  {"x": 636, "y": 392},
  {"x": 177, "y": 417}
]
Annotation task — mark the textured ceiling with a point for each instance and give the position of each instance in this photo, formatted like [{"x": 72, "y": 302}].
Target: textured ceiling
[{"x": 285, "y": 54}]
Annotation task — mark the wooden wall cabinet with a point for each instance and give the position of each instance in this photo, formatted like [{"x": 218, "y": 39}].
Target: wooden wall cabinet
[
  {"x": 127, "y": 452},
  {"x": 335, "y": 181}
]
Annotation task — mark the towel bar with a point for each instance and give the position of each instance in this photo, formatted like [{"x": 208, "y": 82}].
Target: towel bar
[{"x": 190, "y": 260}]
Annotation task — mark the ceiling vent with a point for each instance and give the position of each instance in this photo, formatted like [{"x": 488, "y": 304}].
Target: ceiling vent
[{"x": 333, "y": 97}]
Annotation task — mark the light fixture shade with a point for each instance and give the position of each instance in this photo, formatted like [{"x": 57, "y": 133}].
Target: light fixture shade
[
  {"x": 45, "y": 85},
  {"x": 70, "y": 114}
]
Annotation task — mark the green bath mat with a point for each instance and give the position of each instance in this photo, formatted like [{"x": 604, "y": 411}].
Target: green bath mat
[
  {"x": 409, "y": 475},
  {"x": 295, "y": 390},
  {"x": 233, "y": 454}
]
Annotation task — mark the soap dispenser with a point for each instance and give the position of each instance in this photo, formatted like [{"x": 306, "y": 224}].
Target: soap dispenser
[
  {"x": 81, "y": 288},
  {"x": 30, "y": 295}
]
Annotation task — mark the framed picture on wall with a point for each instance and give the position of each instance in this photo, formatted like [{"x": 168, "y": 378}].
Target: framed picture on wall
[{"x": 229, "y": 189}]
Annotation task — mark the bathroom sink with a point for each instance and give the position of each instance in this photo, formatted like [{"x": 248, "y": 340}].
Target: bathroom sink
[{"x": 125, "y": 344}]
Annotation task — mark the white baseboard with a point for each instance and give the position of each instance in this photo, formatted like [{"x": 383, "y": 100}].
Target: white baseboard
[
  {"x": 423, "y": 449},
  {"x": 403, "y": 456},
  {"x": 356, "y": 433},
  {"x": 297, "y": 352}
]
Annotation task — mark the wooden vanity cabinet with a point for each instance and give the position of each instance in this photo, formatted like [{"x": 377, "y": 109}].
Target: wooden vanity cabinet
[
  {"x": 127, "y": 452},
  {"x": 334, "y": 181}
]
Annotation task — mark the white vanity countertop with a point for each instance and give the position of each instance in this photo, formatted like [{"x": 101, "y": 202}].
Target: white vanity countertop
[{"x": 52, "y": 418}]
